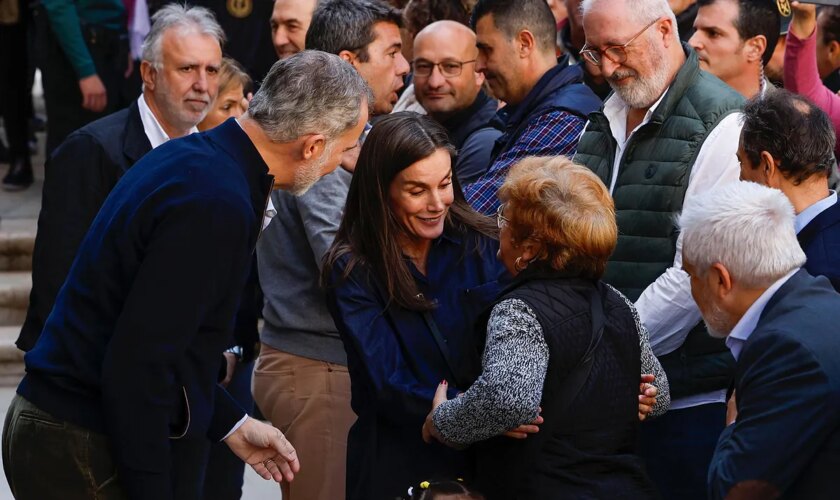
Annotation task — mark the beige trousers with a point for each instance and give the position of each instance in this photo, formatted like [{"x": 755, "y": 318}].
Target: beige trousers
[{"x": 309, "y": 401}]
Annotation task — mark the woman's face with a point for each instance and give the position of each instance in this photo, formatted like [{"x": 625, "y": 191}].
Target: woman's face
[
  {"x": 508, "y": 250},
  {"x": 228, "y": 104},
  {"x": 420, "y": 196}
]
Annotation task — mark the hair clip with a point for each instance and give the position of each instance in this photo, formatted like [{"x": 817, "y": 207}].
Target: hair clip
[{"x": 424, "y": 485}]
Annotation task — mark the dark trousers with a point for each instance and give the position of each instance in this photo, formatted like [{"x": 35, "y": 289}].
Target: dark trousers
[
  {"x": 62, "y": 95},
  {"x": 15, "y": 97},
  {"x": 226, "y": 471},
  {"x": 678, "y": 449},
  {"x": 45, "y": 458}
]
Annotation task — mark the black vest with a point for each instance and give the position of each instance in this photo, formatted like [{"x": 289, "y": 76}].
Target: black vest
[{"x": 587, "y": 451}]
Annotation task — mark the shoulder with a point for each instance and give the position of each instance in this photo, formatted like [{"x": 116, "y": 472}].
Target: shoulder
[{"x": 710, "y": 98}]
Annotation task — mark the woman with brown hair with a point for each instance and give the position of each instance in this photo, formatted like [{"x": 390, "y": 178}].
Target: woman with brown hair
[
  {"x": 558, "y": 339},
  {"x": 231, "y": 101},
  {"x": 411, "y": 268}
]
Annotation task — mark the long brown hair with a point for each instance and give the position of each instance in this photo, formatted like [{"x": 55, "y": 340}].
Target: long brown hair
[{"x": 369, "y": 230}]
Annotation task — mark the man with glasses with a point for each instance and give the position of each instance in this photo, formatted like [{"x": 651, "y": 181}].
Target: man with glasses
[
  {"x": 547, "y": 102},
  {"x": 669, "y": 132},
  {"x": 449, "y": 89}
]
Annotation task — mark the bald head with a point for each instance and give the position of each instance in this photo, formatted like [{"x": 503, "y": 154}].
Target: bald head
[{"x": 439, "y": 49}]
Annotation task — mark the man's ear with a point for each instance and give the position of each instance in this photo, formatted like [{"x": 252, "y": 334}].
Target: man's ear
[
  {"x": 771, "y": 172},
  {"x": 349, "y": 57},
  {"x": 756, "y": 47},
  {"x": 719, "y": 280},
  {"x": 666, "y": 30},
  {"x": 147, "y": 74},
  {"x": 313, "y": 147},
  {"x": 479, "y": 77},
  {"x": 834, "y": 50},
  {"x": 526, "y": 43}
]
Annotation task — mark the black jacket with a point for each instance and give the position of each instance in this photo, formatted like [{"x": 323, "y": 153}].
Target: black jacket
[{"x": 79, "y": 175}]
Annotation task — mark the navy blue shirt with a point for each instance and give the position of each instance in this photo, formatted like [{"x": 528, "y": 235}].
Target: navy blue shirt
[{"x": 395, "y": 363}]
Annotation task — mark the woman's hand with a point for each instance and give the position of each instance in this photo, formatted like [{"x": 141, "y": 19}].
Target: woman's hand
[
  {"x": 804, "y": 20},
  {"x": 429, "y": 430},
  {"x": 647, "y": 395}
]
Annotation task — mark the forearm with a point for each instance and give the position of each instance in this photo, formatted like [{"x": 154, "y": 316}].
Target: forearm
[
  {"x": 66, "y": 25},
  {"x": 802, "y": 76}
]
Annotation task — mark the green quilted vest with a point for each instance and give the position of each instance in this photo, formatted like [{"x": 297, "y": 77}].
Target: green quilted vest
[{"x": 649, "y": 193}]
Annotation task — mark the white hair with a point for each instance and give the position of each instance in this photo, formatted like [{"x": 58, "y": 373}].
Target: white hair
[
  {"x": 186, "y": 19},
  {"x": 641, "y": 11},
  {"x": 746, "y": 227}
]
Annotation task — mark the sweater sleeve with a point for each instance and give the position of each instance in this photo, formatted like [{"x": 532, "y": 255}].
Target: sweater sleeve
[
  {"x": 509, "y": 390},
  {"x": 802, "y": 77},
  {"x": 66, "y": 24}
]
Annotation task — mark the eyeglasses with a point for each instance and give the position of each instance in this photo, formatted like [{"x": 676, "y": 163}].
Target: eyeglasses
[
  {"x": 500, "y": 218},
  {"x": 448, "y": 69},
  {"x": 615, "y": 53}
]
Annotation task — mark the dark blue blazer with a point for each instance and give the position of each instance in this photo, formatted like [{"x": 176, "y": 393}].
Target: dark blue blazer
[
  {"x": 132, "y": 346},
  {"x": 787, "y": 382},
  {"x": 820, "y": 240},
  {"x": 79, "y": 175}
]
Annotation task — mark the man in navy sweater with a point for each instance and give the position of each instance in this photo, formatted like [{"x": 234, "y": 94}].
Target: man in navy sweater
[
  {"x": 120, "y": 398},
  {"x": 787, "y": 143}
]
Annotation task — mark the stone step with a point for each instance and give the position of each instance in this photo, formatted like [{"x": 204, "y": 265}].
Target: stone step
[
  {"x": 17, "y": 239},
  {"x": 11, "y": 358},
  {"x": 14, "y": 296}
]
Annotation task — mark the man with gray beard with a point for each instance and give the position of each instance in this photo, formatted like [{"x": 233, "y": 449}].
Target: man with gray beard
[{"x": 669, "y": 132}]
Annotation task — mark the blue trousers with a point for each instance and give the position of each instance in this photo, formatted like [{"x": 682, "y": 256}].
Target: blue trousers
[{"x": 678, "y": 449}]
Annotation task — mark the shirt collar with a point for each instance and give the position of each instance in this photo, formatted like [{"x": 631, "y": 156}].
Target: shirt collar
[
  {"x": 804, "y": 217},
  {"x": 615, "y": 109},
  {"x": 151, "y": 125},
  {"x": 746, "y": 325}
]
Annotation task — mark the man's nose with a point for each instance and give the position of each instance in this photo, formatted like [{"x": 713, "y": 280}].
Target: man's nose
[
  {"x": 280, "y": 38},
  {"x": 436, "y": 78},
  {"x": 401, "y": 66}
]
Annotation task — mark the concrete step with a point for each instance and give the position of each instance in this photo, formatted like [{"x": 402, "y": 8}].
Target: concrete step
[
  {"x": 17, "y": 239},
  {"x": 11, "y": 358},
  {"x": 14, "y": 296}
]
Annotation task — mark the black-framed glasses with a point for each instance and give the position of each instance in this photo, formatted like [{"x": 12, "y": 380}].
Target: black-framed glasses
[
  {"x": 449, "y": 68},
  {"x": 500, "y": 218},
  {"x": 615, "y": 53}
]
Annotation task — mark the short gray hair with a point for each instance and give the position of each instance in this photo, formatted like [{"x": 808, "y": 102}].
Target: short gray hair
[
  {"x": 746, "y": 227},
  {"x": 184, "y": 18},
  {"x": 310, "y": 92},
  {"x": 641, "y": 11}
]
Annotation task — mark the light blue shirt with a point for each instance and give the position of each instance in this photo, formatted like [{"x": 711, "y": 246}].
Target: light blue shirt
[
  {"x": 811, "y": 213},
  {"x": 745, "y": 326}
]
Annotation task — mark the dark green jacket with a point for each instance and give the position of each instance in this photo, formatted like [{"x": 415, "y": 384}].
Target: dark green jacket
[{"x": 649, "y": 192}]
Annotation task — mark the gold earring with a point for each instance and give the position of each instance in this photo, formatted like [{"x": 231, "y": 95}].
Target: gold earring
[{"x": 517, "y": 264}]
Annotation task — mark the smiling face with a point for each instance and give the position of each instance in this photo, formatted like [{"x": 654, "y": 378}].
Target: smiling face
[
  {"x": 442, "y": 96},
  {"x": 181, "y": 89},
  {"x": 385, "y": 66},
  {"x": 420, "y": 196},
  {"x": 289, "y": 22},
  {"x": 643, "y": 76},
  {"x": 717, "y": 42}
]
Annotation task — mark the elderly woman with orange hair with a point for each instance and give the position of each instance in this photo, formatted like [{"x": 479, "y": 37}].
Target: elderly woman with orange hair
[{"x": 560, "y": 339}]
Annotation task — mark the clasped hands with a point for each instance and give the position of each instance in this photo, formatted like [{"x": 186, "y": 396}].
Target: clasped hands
[{"x": 647, "y": 400}]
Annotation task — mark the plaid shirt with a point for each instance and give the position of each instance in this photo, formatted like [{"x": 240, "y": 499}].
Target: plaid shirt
[{"x": 552, "y": 134}]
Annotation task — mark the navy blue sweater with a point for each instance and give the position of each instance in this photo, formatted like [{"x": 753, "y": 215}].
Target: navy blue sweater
[{"x": 131, "y": 348}]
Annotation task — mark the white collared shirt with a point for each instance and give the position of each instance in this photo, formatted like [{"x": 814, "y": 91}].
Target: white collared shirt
[
  {"x": 666, "y": 307},
  {"x": 805, "y": 217},
  {"x": 151, "y": 125},
  {"x": 743, "y": 329}
]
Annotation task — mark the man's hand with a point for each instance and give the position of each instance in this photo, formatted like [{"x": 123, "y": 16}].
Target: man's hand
[
  {"x": 647, "y": 396},
  {"x": 230, "y": 366},
  {"x": 94, "y": 97},
  {"x": 804, "y": 20},
  {"x": 265, "y": 449}
]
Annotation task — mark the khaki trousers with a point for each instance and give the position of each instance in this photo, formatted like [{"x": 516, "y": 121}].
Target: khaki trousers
[{"x": 309, "y": 401}]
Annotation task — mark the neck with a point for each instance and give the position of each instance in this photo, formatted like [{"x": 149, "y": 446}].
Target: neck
[
  {"x": 276, "y": 155},
  {"x": 744, "y": 300},
  {"x": 172, "y": 131},
  {"x": 747, "y": 83},
  {"x": 806, "y": 193},
  {"x": 417, "y": 249},
  {"x": 531, "y": 73}
]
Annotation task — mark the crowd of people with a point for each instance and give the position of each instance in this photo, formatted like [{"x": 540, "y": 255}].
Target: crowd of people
[{"x": 501, "y": 249}]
